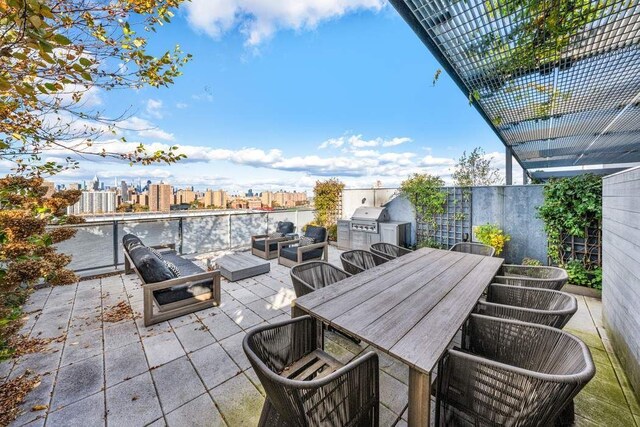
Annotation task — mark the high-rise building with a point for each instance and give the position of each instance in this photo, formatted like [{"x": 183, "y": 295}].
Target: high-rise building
[
  {"x": 94, "y": 202},
  {"x": 218, "y": 199},
  {"x": 124, "y": 192},
  {"x": 283, "y": 199},
  {"x": 74, "y": 186},
  {"x": 249, "y": 193},
  {"x": 51, "y": 188},
  {"x": 254, "y": 203},
  {"x": 95, "y": 183},
  {"x": 185, "y": 196},
  {"x": 160, "y": 197}
]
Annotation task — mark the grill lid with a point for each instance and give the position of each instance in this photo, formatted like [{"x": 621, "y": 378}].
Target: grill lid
[{"x": 368, "y": 213}]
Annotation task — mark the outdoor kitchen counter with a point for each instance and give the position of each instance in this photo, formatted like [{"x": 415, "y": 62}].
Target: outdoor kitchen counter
[{"x": 410, "y": 308}]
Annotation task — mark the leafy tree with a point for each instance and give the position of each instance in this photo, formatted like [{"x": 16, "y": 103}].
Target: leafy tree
[
  {"x": 53, "y": 54},
  {"x": 425, "y": 193},
  {"x": 327, "y": 195},
  {"x": 475, "y": 169}
]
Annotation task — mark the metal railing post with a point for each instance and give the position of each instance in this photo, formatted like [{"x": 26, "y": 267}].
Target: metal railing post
[
  {"x": 115, "y": 244},
  {"x": 180, "y": 236},
  {"x": 229, "y": 229}
]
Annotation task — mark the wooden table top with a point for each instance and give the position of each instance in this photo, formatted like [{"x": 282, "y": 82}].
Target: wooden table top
[{"x": 410, "y": 307}]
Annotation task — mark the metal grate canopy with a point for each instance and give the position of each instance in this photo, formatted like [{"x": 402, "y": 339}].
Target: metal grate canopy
[{"x": 558, "y": 80}]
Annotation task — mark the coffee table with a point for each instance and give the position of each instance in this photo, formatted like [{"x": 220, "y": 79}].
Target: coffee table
[{"x": 241, "y": 265}]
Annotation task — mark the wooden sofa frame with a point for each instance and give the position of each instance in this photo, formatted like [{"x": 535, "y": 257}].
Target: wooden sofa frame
[
  {"x": 302, "y": 249},
  {"x": 267, "y": 253},
  {"x": 178, "y": 308}
]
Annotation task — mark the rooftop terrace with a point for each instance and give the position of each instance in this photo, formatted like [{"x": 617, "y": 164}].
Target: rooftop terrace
[{"x": 192, "y": 370}]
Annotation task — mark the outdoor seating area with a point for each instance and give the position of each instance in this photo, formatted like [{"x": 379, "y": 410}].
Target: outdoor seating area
[{"x": 193, "y": 370}]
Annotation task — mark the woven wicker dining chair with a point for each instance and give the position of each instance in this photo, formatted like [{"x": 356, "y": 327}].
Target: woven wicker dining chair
[
  {"x": 389, "y": 251},
  {"x": 312, "y": 275},
  {"x": 533, "y": 305},
  {"x": 357, "y": 261},
  {"x": 473, "y": 248},
  {"x": 304, "y": 385},
  {"x": 531, "y": 276},
  {"x": 510, "y": 373}
]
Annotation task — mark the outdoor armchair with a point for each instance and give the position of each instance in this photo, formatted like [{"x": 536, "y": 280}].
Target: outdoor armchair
[
  {"x": 357, "y": 261},
  {"x": 304, "y": 385},
  {"x": 266, "y": 246},
  {"x": 533, "y": 305},
  {"x": 312, "y": 275},
  {"x": 532, "y": 276},
  {"x": 473, "y": 248},
  {"x": 389, "y": 251},
  {"x": 292, "y": 252},
  {"x": 510, "y": 373}
]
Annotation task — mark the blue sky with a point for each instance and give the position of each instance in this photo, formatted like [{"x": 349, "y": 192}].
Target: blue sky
[{"x": 279, "y": 94}]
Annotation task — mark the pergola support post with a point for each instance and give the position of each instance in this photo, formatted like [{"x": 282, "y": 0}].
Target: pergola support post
[{"x": 508, "y": 166}]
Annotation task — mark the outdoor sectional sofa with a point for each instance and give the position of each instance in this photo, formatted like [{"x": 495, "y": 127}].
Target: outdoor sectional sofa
[{"x": 172, "y": 285}]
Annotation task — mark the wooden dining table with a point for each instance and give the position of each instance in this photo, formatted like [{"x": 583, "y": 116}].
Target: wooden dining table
[{"x": 410, "y": 307}]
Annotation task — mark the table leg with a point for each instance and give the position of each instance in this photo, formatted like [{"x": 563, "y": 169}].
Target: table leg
[{"x": 419, "y": 398}]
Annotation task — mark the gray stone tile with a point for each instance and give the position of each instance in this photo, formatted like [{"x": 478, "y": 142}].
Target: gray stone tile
[
  {"x": 221, "y": 326},
  {"x": 194, "y": 336},
  {"x": 282, "y": 299},
  {"x": 393, "y": 393},
  {"x": 244, "y": 295},
  {"x": 233, "y": 346},
  {"x": 133, "y": 403},
  {"x": 200, "y": 412},
  {"x": 244, "y": 317},
  {"x": 229, "y": 304},
  {"x": 264, "y": 309},
  {"x": 261, "y": 290},
  {"x": 177, "y": 383},
  {"x": 41, "y": 395},
  {"x": 158, "y": 423},
  {"x": 239, "y": 401},
  {"x": 123, "y": 363},
  {"x": 120, "y": 334},
  {"x": 88, "y": 412},
  {"x": 51, "y": 323},
  {"x": 41, "y": 362},
  {"x": 77, "y": 381},
  {"x": 183, "y": 320},
  {"x": 162, "y": 348},
  {"x": 214, "y": 365},
  {"x": 82, "y": 346}
]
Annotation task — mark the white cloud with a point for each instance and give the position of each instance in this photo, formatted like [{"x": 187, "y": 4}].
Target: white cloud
[
  {"x": 181, "y": 105},
  {"x": 395, "y": 141},
  {"x": 333, "y": 142},
  {"x": 145, "y": 129},
  {"x": 258, "y": 20},
  {"x": 357, "y": 141},
  {"x": 429, "y": 161},
  {"x": 154, "y": 108}
]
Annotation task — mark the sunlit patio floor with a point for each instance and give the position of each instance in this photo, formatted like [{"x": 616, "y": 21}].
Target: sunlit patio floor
[{"x": 192, "y": 371}]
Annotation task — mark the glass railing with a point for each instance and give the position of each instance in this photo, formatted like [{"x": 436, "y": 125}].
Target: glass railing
[{"x": 98, "y": 244}]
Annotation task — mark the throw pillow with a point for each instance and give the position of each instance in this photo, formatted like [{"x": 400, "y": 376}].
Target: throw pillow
[
  {"x": 306, "y": 241},
  {"x": 172, "y": 267},
  {"x": 156, "y": 253}
]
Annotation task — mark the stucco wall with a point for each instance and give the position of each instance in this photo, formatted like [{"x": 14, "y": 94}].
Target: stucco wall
[{"x": 621, "y": 268}]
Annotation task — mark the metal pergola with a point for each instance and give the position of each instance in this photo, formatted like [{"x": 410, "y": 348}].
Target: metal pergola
[{"x": 557, "y": 80}]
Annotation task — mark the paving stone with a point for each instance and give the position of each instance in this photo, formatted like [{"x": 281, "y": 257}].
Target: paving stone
[
  {"x": 599, "y": 411},
  {"x": 245, "y": 318},
  {"x": 214, "y": 365},
  {"x": 229, "y": 304},
  {"x": 282, "y": 299},
  {"x": 200, "y": 412},
  {"x": 221, "y": 326},
  {"x": 387, "y": 417},
  {"x": 244, "y": 295},
  {"x": 41, "y": 362},
  {"x": 41, "y": 395},
  {"x": 133, "y": 403},
  {"x": 233, "y": 346},
  {"x": 120, "y": 334},
  {"x": 194, "y": 336},
  {"x": 162, "y": 348},
  {"x": 393, "y": 393},
  {"x": 239, "y": 401},
  {"x": 158, "y": 423},
  {"x": 88, "y": 412},
  {"x": 183, "y": 320},
  {"x": 253, "y": 377},
  {"x": 177, "y": 383},
  {"x": 605, "y": 383},
  {"x": 77, "y": 381},
  {"x": 52, "y": 323},
  {"x": 123, "y": 363},
  {"x": 264, "y": 309},
  {"x": 261, "y": 290},
  {"x": 82, "y": 346}
]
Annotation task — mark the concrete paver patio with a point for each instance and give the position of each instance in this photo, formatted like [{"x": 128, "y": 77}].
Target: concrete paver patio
[{"x": 192, "y": 371}]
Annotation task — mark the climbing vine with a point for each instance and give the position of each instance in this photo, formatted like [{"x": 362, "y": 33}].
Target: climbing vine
[
  {"x": 571, "y": 207},
  {"x": 327, "y": 198},
  {"x": 425, "y": 193}
]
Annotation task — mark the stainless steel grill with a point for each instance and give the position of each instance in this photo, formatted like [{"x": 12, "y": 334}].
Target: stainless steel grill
[{"x": 367, "y": 219}]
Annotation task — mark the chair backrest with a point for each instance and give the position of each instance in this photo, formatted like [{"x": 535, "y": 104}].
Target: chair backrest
[
  {"x": 357, "y": 261},
  {"x": 311, "y": 275},
  {"x": 532, "y": 276},
  {"x": 388, "y": 250},
  {"x": 505, "y": 363},
  {"x": 318, "y": 234},
  {"x": 348, "y": 395},
  {"x": 473, "y": 248},
  {"x": 534, "y": 305},
  {"x": 285, "y": 227}
]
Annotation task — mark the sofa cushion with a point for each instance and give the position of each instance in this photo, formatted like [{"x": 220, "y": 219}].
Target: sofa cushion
[
  {"x": 182, "y": 292},
  {"x": 130, "y": 241},
  {"x": 186, "y": 267},
  {"x": 151, "y": 268},
  {"x": 284, "y": 227},
  {"x": 291, "y": 252},
  {"x": 260, "y": 244},
  {"x": 306, "y": 241},
  {"x": 318, "y": 234}
]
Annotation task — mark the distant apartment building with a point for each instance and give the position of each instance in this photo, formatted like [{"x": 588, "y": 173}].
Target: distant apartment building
[
  {"x": 74, "y": 186},
  {"x": 51, "y": 188},
  {"x": 184, "y": 196},
  {"x": 124, "y": 192},
  {"x": 141, "y": 199},
  {"x": 94, "y": 202},
  {"x": 239, "y": 204},
  {"x": 283, "y": 199},
  {"x": 218, "y": 199},
  {"x": 160, "y": 197},
  {"x": 254, "y": 203}
]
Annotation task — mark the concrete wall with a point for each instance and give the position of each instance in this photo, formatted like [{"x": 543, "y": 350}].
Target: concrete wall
[
  {"x": 513, "y": 208},
  {"x": 621, "y": 268},
  {"x": 352, "y": 198}
]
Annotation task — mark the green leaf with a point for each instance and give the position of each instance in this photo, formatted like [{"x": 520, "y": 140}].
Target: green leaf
[{"x": 62, "y": 40}]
